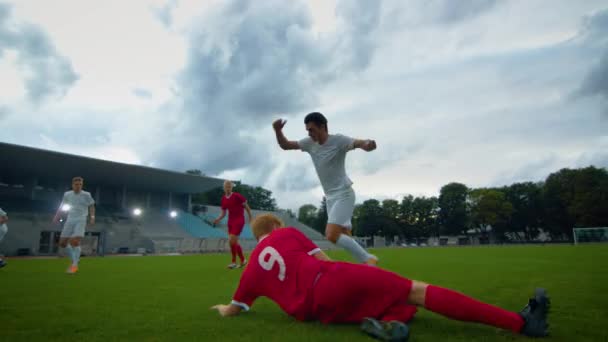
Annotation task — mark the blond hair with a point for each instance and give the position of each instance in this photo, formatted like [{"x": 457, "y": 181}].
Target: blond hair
[{"x": 264, "y": 224}]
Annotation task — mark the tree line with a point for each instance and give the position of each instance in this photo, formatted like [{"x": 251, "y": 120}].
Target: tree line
[{"x": 566, "y": 199}]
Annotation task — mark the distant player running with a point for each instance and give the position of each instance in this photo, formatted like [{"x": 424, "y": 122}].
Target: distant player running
[
  {"x": 328, "y": 153},
  {"x": 78, "y": 204},
  {"x": 3, "y": 231},
  {"x": 292, "y": 271},
  {"x": 236, "y": 204}
]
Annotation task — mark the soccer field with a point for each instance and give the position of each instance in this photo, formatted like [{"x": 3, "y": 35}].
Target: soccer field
[{"x": 168, "y": 298}]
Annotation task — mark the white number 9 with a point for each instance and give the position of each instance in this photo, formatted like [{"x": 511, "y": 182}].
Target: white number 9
[{"x": 275, "y": 257}]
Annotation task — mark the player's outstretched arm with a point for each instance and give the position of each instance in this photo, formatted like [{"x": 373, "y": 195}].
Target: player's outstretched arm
[
  {"x": 248, "y": 209},
  {"x": 227, "y": 310},
  {"x": 366, "y": 145},
  {"x": 281, "y": 139},
  {"x": 217, "y": 220},
  {"x": 92, "y": 214}
]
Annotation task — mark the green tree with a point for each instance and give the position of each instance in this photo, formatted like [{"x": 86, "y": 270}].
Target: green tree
[
  {"x": 453, "y": 216},
  {"x": 389, "y": 225},
  {"x": 369, "y": 218},
  {"x": 575, "y": 198},
  {"x": 590, "y": 200},
  {"x": 424, "y": 214},
  {"x": 490, "y": 207},
  {"x": 307, "y": 214},
  {"x": 526, "y": 199},
  {"x": 557, "y": 197},
  {"x": 406, "y": 219},
  {"x": 257, "y": 197},
  {"x": 321, "y": 218}
]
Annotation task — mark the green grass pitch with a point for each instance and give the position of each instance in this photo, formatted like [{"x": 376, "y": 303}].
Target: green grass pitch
[{"x": 168, "y": 298}]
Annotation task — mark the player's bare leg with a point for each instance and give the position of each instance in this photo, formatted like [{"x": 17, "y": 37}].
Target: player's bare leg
[
  {"x": 342, "y": 237},
  {"x": 64, "y": 243},
  {"x": 75, "y": 244},
  {"x": 233, "y": 241},
  {"x": 239, "y": 251}
]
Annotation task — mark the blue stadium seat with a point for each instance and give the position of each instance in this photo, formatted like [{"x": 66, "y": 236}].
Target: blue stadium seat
[{"x": 196, "y": 227}]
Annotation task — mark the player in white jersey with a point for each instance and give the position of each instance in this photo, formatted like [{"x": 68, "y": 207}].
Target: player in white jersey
[
  {"x": 328, "y": 152},
  {"x": 78, "y": 204},
  {"x": 3, "y": 231}
]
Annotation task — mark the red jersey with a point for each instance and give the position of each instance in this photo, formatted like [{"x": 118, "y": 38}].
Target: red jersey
[
  {"x": 281, "y": 267},
  {"x": 235, "y": 204}
]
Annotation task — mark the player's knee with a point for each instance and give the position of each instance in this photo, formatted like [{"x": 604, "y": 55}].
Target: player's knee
[
  {"x": 333, "y": 232},
  {"x": 332, "y": 235}
]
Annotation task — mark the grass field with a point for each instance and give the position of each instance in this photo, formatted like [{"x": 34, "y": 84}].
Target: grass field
[{"x": 168, "y": 298}]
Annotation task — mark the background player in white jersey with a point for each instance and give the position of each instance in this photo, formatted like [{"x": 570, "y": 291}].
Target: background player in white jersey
[
  {"x": 328, "y": 152},
  {"x": 3, "y": 231},
  {"x": 78, "y": 204}
]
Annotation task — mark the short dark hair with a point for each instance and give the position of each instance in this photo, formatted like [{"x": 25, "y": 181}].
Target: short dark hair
[
  {"x": 317, "y": 118},
  {"x": 77, "y": 178}
]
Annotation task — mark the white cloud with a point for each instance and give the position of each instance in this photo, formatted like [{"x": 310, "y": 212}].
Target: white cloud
[{"x": 481, "y": 94}]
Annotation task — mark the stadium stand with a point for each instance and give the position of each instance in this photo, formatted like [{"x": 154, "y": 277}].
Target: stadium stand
[{"x": 32, "y": 182}]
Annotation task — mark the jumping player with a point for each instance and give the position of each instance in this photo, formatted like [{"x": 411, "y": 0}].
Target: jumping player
[
  {"x": 292, "y": 271},
  {"x": 328, "y": 153},
  {"x": 235, "y": 203}
]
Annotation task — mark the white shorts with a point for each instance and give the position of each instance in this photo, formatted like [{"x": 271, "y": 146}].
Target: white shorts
[
  {"x": 3, "y": 231},
  {"x": 340, "y": 207},
  {"x": 73, "y": 228}
]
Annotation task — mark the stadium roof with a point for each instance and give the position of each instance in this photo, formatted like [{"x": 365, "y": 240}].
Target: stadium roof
[{"x": 18, "y": 163}]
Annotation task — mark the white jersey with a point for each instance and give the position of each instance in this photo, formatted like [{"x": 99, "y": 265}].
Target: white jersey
[
  {"x": 79, "y": 204},
  {"x": 3, "y": 227},
  {"x": 329, "y": 161}
]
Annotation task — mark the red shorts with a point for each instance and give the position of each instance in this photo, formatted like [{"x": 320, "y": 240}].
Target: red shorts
[
  {"x": 347, "y": 293},
  {"x": 235, "y": 226}
]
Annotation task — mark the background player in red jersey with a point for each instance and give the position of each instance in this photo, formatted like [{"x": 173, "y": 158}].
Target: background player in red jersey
[
  {"x": 292, "y": 271},
  {"x": 236, "y": 204}
]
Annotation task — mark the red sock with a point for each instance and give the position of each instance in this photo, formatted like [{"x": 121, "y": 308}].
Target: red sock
[
  {"x": 233, "y": 251},
  {"x": 458, "y": 306},
  {"x": 239, "y": 251}
]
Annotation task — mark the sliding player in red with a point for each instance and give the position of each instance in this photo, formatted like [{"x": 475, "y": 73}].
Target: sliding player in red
[{"x": 291, "y": 270}]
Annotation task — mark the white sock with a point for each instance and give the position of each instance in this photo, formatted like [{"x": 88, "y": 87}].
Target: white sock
[
  {"x": 353, "y": 248},
  {"x": 76, "y": 256},
  {"x": 70, "y": 251}
]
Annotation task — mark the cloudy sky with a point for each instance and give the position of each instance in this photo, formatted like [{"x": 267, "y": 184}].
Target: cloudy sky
[{"x": 476, "y": 91}]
